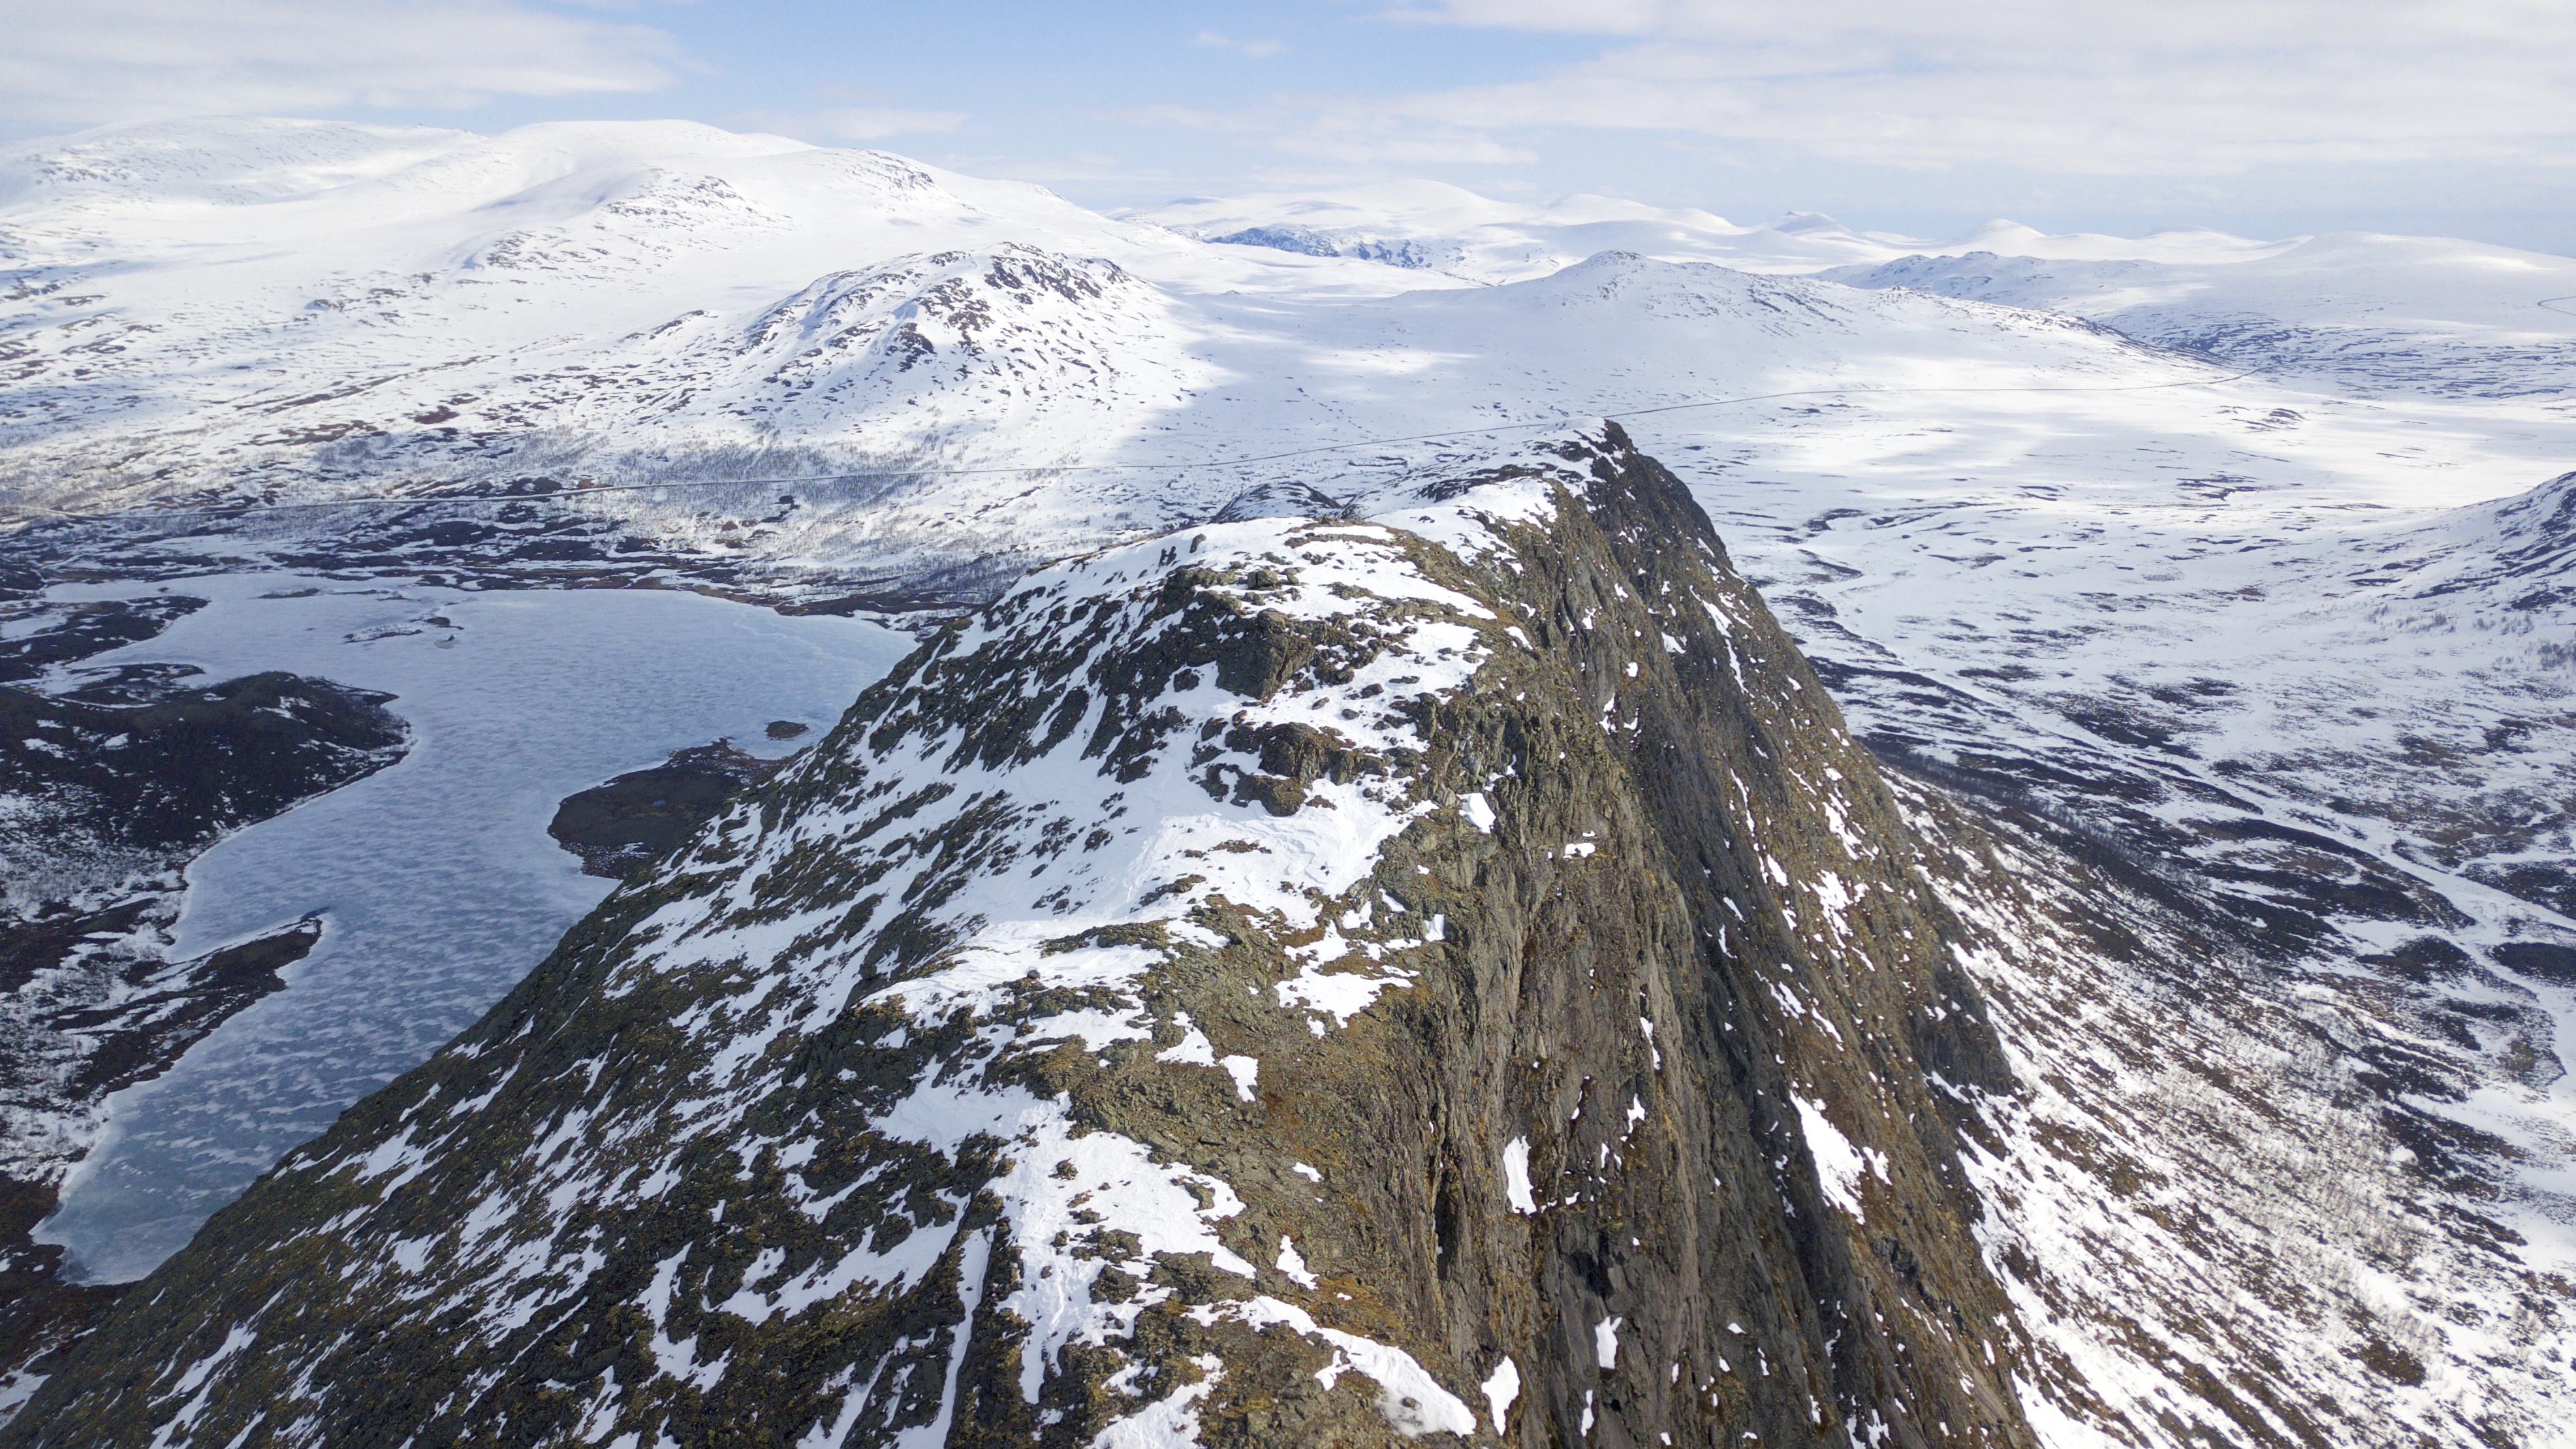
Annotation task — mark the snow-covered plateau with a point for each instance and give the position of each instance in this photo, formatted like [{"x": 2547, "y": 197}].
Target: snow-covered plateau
[{"x": 2219, "y": 593}]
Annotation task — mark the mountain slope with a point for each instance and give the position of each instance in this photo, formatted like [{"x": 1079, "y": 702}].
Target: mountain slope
[
  {"x": 420, "y": 298},
  {"x": 2233, "y": 1204},
  {"x": 1442, "y": 973},
  {"x": 2354, "y": 312}
]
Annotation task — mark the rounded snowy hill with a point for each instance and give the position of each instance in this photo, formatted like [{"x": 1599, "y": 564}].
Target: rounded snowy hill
[
  {"x": 2358, "y": 311},
  {"x": 191, "y": 297}
]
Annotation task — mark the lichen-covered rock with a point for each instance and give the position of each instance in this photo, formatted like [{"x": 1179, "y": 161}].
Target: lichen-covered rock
[{"x": 1440, "y": 973}]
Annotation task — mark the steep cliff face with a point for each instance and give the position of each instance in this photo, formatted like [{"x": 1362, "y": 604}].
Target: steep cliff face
[{"x": 1441, "y": 971}]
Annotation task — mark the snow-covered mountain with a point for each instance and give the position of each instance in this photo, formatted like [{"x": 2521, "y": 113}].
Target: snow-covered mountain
[
  {"x": 2369, "y": 312},
  {"x": 2215, "y": 591},
  {"x": 425, "y": 298},
  {"x": 1198, "y": 978},
  {"x": 307, "y": 312}
]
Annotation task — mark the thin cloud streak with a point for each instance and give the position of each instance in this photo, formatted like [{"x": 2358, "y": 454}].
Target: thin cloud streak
[
  {"x": 125, "y": 60},
  {"x": 1332, "y": 129},
  {"x": 850, "y": 123},
  {"x": 1255, "y": 49},
  {"x": 2190, "y": 87}
]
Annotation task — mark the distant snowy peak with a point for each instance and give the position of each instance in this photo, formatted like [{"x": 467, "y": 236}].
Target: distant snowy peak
[
  {"x": 1430, "y": 226},
  {"x": 2173, "y": 246},
  {"x": 1750, "y": 315},
  {"x": 629, "y": 215},
  {"x": 2011, "y": 279},
  {"x": 1307, "y": 241},
  {"x": 1426, "y": 226},
  {"x": 1412, "y": 206},
  {"x": 643, "y": 219},
  {"x": 982, "y": 339},
  {"x": 637, "y": 319},
  {"x": 2340, "y": 276},
  {"x": 274, "y": 306},
  {"x": 1812, "y": 223}
]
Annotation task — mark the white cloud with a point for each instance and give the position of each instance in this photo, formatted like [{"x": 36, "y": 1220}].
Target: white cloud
[
  {"x": 1357, "y": 140},
  {"x": 1339, "y": 130},
  {"x": 1257, "y": 49},
  {"x": 121, "y": 60},
  {"x": 849, "y": 123},
  {"x": 1599, "y": 17},
  {"x": 2182, "y": 87}
]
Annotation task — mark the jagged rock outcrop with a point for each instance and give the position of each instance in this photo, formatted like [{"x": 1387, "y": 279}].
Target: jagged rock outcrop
[
  {"x": 1444, "y": 971},
  {"x": 643, "y": 814}
]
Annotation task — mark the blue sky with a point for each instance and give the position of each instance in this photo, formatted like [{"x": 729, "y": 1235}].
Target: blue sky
[{"x": 2268, "y": 117}]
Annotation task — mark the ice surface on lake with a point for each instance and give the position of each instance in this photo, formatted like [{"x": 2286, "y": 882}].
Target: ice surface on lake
[{"x": 437, "y": 881}]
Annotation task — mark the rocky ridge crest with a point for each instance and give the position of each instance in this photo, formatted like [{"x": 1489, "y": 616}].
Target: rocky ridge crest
[{"x": 1443, "y": 971}]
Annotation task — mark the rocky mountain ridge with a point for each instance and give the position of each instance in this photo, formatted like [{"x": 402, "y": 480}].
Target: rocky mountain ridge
[{"x": 1437, "y": 972}]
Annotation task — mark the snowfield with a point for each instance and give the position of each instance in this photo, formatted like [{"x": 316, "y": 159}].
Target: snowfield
[
  {"x": 1447, "y": 230},
  {"x": 2252, "y": 562}
]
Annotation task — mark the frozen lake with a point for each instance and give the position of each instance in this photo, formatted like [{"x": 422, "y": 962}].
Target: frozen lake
[{"x": 437, "y": 883}]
